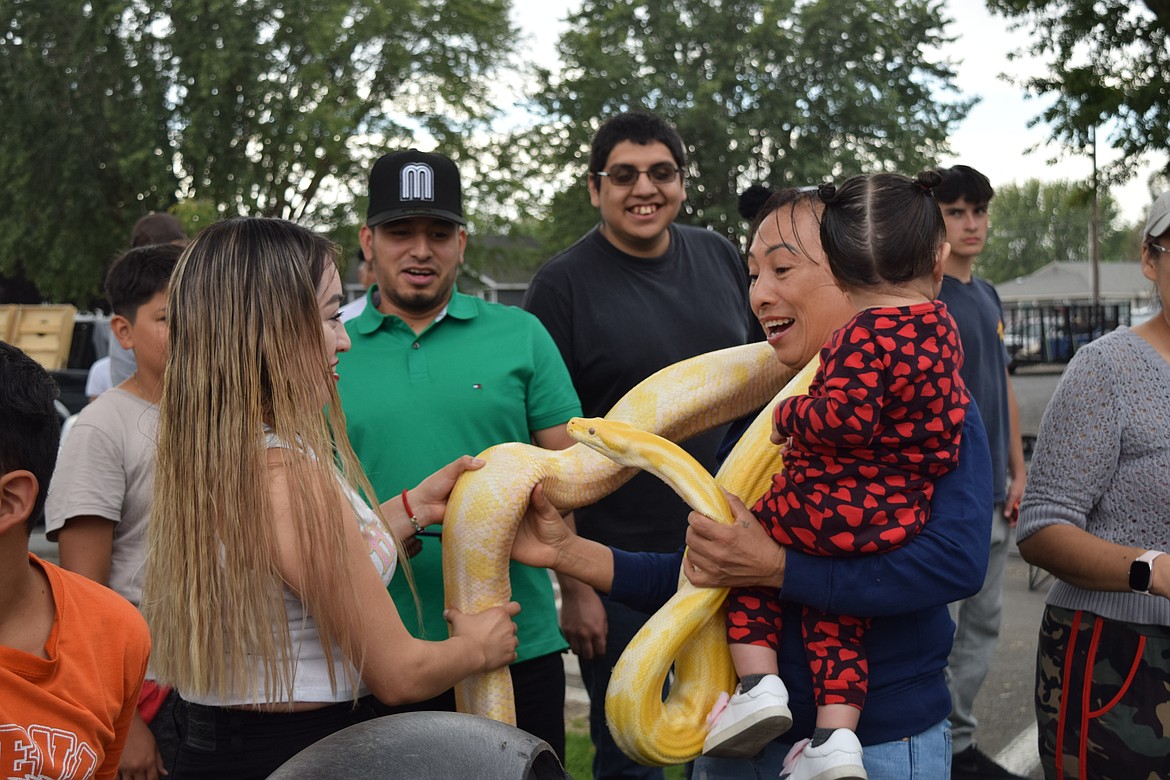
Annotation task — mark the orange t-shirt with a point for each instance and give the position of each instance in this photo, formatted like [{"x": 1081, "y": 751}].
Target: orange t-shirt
[{"x": 66, "y": 716}]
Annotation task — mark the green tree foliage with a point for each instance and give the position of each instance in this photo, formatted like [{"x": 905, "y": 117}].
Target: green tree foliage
[
  {"x": 777, "y": 91},
  {"x": 115, "y": 107},
  {"x": 1109, "y": 65},
  {"x": 1036, "y": 223},
  {"x": 84, "y": 147},
  {"x": 281, "y": 99}
]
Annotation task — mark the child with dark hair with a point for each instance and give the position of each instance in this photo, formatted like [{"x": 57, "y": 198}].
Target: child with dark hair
[
  {"x": 880, "y": 423},
  {"x": 72, "y": 654},
  {"x": 158, "y": 228},
  {"x": 100, "y": 499},
  {"x": 118, "y": 365}
]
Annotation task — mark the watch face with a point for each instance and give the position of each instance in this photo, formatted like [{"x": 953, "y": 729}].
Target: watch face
[{"x": 1139, "y": 575}]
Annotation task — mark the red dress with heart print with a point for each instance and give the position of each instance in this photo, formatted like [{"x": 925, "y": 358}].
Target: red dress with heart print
[{"x": 881, "y": 421}]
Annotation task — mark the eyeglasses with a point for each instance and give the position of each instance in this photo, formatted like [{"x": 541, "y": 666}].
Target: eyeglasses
[
  {"x": 1159, "y": 247},
  {"x": 627, "y": 175}
]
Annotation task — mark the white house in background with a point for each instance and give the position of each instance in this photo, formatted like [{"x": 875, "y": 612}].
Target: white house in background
[
  {"x": 1049, "y": 314},
  {"x": 1072, "y": 283},
  {"x": 508, "y": 291}
]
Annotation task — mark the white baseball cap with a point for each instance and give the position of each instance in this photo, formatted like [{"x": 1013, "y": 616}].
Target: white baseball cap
[{"x": 1159, "y": 219}]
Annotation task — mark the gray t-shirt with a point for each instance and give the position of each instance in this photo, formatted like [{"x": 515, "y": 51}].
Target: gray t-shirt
[
  {"x": 1102, "y": 464},
  {"x": 106, "y": 469}
]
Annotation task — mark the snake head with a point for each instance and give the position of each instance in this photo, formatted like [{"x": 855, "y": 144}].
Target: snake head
[{"x": 582, "y": 429}]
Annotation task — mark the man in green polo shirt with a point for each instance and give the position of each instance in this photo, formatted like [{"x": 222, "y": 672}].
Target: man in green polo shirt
[{"x": 434, "y": 374}]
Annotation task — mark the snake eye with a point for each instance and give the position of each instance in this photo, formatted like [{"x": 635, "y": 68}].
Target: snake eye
[{"x": 592, "y": 431}]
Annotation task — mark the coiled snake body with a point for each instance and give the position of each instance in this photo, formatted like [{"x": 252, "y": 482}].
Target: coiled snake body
[{"x": 675, "y": 403}]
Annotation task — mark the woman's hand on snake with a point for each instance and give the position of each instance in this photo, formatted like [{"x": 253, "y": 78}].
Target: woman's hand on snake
[
  {"x": 544, "y": 539},
  {"x": 542, "y": 536},
  {"x": 732, "y": 556},
  {"x": 429, "y": 499},
  {"x": 492, "y": 632}
]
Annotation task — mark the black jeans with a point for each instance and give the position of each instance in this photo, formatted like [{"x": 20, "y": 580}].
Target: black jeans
[
  {"x": 539, "y": 687},
  {"x": 218, "y": 743},
  {"x": 165, "y": 728}
]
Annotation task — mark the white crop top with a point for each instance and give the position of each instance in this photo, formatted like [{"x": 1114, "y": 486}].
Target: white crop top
[{"x": 310, "y": 672}]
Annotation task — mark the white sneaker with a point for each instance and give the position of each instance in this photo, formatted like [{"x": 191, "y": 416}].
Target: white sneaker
[
  {"x": 838, "y": 758},
  {"x": 749, "y": 721}
]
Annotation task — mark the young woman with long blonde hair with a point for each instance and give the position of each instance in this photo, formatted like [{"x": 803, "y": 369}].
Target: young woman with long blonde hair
[{"x": 266, "y": 578}]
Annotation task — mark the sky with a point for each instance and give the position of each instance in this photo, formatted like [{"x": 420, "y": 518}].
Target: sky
[{"x": 994, "y": 138}]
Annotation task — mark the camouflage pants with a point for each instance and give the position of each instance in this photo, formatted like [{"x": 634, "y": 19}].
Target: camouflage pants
[{"x": 1102, "y": 697}]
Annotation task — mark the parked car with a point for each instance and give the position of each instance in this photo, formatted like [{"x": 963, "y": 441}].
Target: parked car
[{"x": 1022, "y": 344}]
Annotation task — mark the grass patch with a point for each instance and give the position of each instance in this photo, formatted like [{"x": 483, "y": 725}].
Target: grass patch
[{"x": 579, "y": 752}]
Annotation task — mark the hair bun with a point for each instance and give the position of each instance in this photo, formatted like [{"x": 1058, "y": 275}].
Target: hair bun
[
  {"x": 752, "y": 200},
  {"x": 928, "y": 180},
  {"x": 827, "y": 192}
]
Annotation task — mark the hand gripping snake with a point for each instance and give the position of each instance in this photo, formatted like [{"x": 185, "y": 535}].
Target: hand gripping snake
[{"x": 675, "y": 403}]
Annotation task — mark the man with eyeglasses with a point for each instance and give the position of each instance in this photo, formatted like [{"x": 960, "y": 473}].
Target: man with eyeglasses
[
  {"x": 963, "y": 196},
  {"x": 633, "y": 295}
]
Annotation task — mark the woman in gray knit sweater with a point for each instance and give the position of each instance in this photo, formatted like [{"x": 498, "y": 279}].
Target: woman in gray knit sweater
[{"x": 1096, "y": 514}]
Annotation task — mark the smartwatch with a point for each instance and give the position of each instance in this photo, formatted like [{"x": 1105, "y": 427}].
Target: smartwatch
[{"x": 1141, "y": 571}]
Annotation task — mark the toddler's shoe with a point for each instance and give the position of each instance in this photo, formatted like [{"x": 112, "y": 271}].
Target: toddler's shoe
[
  {"x": 838, "y": 758},
  {"x": 748, "y": 721}
]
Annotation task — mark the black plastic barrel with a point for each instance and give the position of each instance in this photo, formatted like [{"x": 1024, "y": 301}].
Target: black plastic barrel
[{"x": 426, "y": 745}]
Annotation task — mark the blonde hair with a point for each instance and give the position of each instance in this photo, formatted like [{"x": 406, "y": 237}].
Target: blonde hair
[{"x": 246, "y": 352}]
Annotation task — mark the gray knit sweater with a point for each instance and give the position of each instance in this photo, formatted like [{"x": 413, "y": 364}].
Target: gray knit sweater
[{"x": 1102, "y": 463}]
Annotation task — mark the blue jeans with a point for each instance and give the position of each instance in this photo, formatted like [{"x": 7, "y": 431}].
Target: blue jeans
[{"x": 925, "y": 756}]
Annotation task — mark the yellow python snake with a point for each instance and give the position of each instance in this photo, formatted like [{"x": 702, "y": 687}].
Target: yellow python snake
[{"x": 486, "y": 505}]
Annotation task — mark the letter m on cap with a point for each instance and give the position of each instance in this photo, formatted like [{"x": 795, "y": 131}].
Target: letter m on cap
[{"x": 417, "y": 182}]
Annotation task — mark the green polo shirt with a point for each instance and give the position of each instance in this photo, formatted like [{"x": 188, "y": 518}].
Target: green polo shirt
[{"x": 481, "y": 374}]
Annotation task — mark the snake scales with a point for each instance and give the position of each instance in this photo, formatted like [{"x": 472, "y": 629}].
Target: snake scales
[{"x": 485, "y": 507}]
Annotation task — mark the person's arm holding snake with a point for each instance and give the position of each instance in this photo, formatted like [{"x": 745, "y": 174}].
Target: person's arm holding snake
[
  {"x": 583, "y": 619},
  {"x": 427, "y": 502},
  {"x": 397, "y": 667},
  {"x": 944, "y": 563},
  {"x": 642, "y": 580}
]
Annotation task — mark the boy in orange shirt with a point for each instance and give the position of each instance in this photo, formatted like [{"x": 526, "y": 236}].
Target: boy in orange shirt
[{"x": 72, "y": 653}]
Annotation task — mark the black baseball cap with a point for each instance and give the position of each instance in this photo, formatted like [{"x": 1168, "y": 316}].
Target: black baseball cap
[{"x": 414, "y": 184}]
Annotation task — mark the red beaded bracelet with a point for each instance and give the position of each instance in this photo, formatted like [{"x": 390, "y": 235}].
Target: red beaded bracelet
[{"x": 410, "y": 515}]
